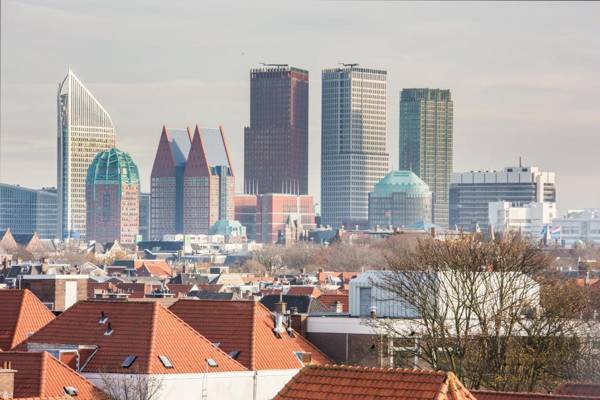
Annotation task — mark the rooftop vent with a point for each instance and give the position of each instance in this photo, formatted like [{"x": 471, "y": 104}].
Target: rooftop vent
[
  {"x": 234, "y": 354},
  {"x": 165, "y": 361},
  {"x": 70, "y": 390},
  {"x": 103, "y": 318},
  {"x": 212, "y": 363},
  {"x": 109, "y": 330},
  {"x": 128, "y": 362}
]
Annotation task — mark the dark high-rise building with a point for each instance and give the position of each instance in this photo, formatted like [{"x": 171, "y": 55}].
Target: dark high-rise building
[
  {"x": 145, "y": 216},
  {"x": 192, "y": 184},
  {"x": 276, "y": 142},
  {"x": 426, "y": 118}
]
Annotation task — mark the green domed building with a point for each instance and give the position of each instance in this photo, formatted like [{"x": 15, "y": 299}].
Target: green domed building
[
  {"x": 112, "y": 197},
  {"x": 400, "y": 199}
]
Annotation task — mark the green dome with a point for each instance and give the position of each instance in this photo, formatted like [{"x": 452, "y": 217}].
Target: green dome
[
  {"x": 228, "y": 228},
  {"x": 401, "y": 182},
  {"x": 113, "y": 166}
]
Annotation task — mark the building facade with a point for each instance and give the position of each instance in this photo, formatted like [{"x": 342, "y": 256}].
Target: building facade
[
  {"x": 144, "y": 230},
  {"x": 400, "y": 199},
  {"x": 192, "y": 183},
  {"x": 528, "y": 219},
  {"x": 276, "y": 142},
  {"x": 113, "y": 198},
  {"x": 353, "y": 142},
  {"x": 470, "y": 193},
  {"x": 25, "y": 211},
  {"x": 426, "y": 137},
  {"x": 84, "y": 129},
  {"x": 577, "y": 228},
  {"x": 245, "y": 212}
]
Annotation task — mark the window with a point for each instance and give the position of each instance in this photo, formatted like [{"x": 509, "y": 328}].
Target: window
[
  {"x": 165, "y": 361},
  {"x": 70, "y": 390},
  {"x": 128, "y": 362},
  {"x": 212, "y": 363},
  {"x": 303, "y": 357},
  {"x": 234, "y": 354},
  {"x": 365, "y": 301}
]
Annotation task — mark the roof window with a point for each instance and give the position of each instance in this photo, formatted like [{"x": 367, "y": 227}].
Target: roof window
[
  {"x": 165, "y": 361},
  {"x": 234, "y": 354},
  {"x": 212, "y": 363},
  {"x": 128, "y": 362}
]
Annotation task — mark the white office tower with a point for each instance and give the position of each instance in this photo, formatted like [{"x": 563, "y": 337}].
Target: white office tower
[
  {"x": 530, "y": 220},
  {"x": 353, "y": 142},
  {"x": 84, "y": 130}
]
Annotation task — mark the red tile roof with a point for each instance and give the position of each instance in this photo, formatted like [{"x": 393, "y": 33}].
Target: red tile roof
[
  {"x": 304, "y": 291},
  {"x": 143, "y": 329},
  {"x": 39, "y": 375},
  {"x": 342, "y": 382},
  {"x": 246, "y": 326},
  {"x": 328, "y": 300},
  {"x": 579, "y": 389},
  {"x": 157, "y": 268},
  {"x": 491, "y": 395},
  {"x": 21, "y": 314}
]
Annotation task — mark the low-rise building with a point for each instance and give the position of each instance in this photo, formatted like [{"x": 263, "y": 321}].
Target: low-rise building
[
  {"x": 529, "y": 219},
  {"x": 577, "y": 227},
  {"x": 57, "y": 291}
]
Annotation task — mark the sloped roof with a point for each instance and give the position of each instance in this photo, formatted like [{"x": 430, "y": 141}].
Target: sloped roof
[
  {"x": 247, "y": 327},
  {"x": 39, "y": 375},
  {"x": 333, "y": 382},
  {"x": 329, "y": 299},
  {"x": 579, "y": 389},
  {"x": 23, "y": 238},
  {"x": 302, "y": 304},
  {"x": 21, "y": 314},
  {"x": 492, "y": 395},
  {"x": 158, "y": 268},
  {"x": 143, "y": 329},
  {"x": 311, "y": 291}
]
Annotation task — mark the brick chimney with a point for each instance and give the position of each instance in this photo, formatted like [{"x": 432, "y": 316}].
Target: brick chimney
[{"x": 7, "y": 381}]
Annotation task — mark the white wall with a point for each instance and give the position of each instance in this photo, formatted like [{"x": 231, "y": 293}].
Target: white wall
[{"x": 245, "y": 385}]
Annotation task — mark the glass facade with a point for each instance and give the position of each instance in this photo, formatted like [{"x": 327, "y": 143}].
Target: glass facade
[
  {"x": 353, "y": 142},
  {"x": 426, "y": 137},
  {"x": 84, "y": 130},
  {"x": 25, "y": 211}
]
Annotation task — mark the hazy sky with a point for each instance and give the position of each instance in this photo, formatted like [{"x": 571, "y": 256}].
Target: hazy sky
[{"x": 525, "y": 77}]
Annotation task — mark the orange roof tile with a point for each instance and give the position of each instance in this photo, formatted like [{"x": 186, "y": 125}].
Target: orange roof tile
[
  {"x": 246, "y": 326},
  {"x": 342, "y": 382},
  {"x": 329, "y": 299},
  {"x": 491, "y": 395},
  {"x": 21, "y": 314},
  {"x": 158, "y": 268},
  {"x": 579, "y": 389},
  {"x": 39, "y": 375},
  {"x": 143, "y": 329},
  {"x": 304, "y": 291}
]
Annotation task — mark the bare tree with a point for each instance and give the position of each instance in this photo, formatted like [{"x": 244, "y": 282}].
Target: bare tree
[
  {"x": 132, "y": 386},
  {"x": 476, "y": 312}
]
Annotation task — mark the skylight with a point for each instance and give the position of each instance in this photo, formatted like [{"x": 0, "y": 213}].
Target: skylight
[
  {"x": 103, "y": 318},
  {"x": 109, "y": 330},
  {"x": 129, "y": 360},
  {"x": 70, "y": 390},
  {"x": 234, "y": 354},
  {"x": 211, "y": 362},
  {"x": 165, "y": 361}
]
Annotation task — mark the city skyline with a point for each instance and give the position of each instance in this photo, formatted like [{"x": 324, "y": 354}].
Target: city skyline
[{"x": 510, "y": 100}]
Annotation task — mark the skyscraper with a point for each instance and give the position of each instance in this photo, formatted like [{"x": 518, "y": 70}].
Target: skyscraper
[
  {"x": 192, "y": 183},
  {"x": 353, "y": 142},
  {"x": 25, "y": 211},
  {"x": 145, "y": 228},
  {"x": 276, "y": 142},
  {"x": 84, "y": 130},
  {"x": 112, "y": 198},
  {"x": 426, "y": 118}
]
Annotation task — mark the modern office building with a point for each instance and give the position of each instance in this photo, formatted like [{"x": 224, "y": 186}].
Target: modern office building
[
  {"x": 113, "y": 198},
  {"x": 276, "y": 142},
  {"x": 25, "y": 211},
  {"x": 528, "y": 219},
  {"x": 426, "y": 136},
  {"x": 245, "y": 212},
  {"x": 577, "y": 228},
  {"x": 470, "y": 193},
  {"x": 84, "y": 130},
  {"x": 192, "y": 182},
  {"x": 144, "y": 231},
  {"x": 400, "y": 199},
  {"x": 353, "y": 142}
]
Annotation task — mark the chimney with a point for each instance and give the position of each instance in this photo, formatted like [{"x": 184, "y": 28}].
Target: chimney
[
  {"x": 7, "y": 381},
  {"x": 279, "y": 316},
  {"x": 280, "y": 306}
]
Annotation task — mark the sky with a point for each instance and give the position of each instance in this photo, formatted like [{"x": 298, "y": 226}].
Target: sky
[{"x": 524, "y": 77}]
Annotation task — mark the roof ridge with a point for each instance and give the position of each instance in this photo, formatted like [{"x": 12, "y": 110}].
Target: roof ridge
[
  {"x": 42, "y": 377},
  {"x": 253, "y": 334},
  {"x": 17, "y": 322},
  {"x": 152, "y": 335}
]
